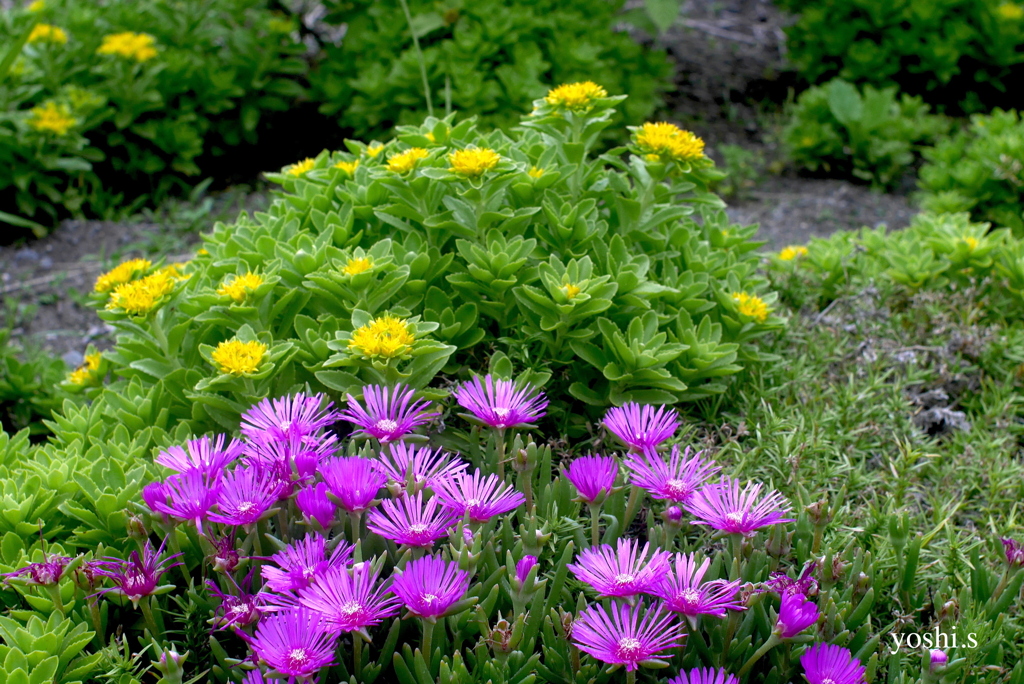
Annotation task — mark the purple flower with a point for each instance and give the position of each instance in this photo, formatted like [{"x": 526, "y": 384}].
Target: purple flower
[
  {"x": 354, "y": 481},
  {"x": 301, "y": 561},
  {"x": 245, "y": 495},
  {"x": 46, "y": 573},
  {"x": 295, "y": 643},
  {"x": 482, "y": 498},
  {"x": 203, "y": 454},
  {"x": 225, "y": 556},
  {"x": 240, "y": 609},
  {"x": 674, "y": 481},
  {"x": 593, "y": 477},
  {"x": 411, "y": 520},
  {"x": 348, "y": 599},
  {"x": 499, "y": 404},
  {"x": 683, "y": 592},
  {"x": 795, "y": 615},
  {"x": 256, "y": 677},
  {"x": 828, "y": 664},
  {"x": 428, "y": 466},
  {"x": 627, "y": 635},
  {"x": 623, "y": 571},
  {"x": 314, "y": 505},
  {"x": 1014, "y": 553},
  {"x": 705, "y": 675},
  {"x": 430, "y": 586},
  {"x": 291, "y": 418},
  {"x": 641, "y": 427},
  {"x": 390, "y": 414},
  {"x": 805, "y": 584},
  {"x": 138, "y": 576},
  {"x": 294, "y": 461},
  {"x": 187, "y": 496},
  {"x": 725, "y": 506},
  {"x": 524, "y": 566},
  {"x": 937, "y": 658}
]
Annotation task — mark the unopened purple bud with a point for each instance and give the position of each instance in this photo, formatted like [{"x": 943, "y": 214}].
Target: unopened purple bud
[
  {"x": 467, "y": 536},
  {"x": 1014, "y": 553},
  {"x": 524, "y": 566},
  {"x": 938, "y": 659},
  {"x": 674, "y": 515}
]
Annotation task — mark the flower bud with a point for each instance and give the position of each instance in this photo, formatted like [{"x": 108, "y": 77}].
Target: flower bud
[
  {"x": 1014, "y": 553},
  {"x": 938, "y": 660},
  {"x": 137, "y": 528},
  {"x": 524, "y": 566}
]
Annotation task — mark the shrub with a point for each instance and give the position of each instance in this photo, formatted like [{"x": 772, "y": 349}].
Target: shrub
[
  {"x": 980, "y": 170},
  {"x": 868, "y": 134},
  {"x": 29, "y": 380},
  {"x": 109, "y": 100},
  {"x": 491, "y": 58},
  {"x": 962, "y": 53}
]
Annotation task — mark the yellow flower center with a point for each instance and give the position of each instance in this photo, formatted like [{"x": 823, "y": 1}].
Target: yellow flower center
[
  {"x": 128, "y": 44},
  {"x": 357, "y": 266},
  {"x": 348, "y": 167},
  {"x": 1010, "y": 10},
  {"x": 84, "y": 373},
  {"x": 141, "y": 296},
  {"x": 404, "y": 162},
  {"x": 45, "y": 33},
  {"x": 239, "y": 286},
  {"x": 121, "y": 273},
  {"x": 575, "y": 96},
  {"x": 971, "y": 242},
  {"x": 52, "y": 117},
  {"x": 792, "y": 252},
  {"x": 751, "y": 305},
  {"x": 535, "y": 172},
  {"x": 571, "y": 290},
  {"x": 92, "y": 361},
  {"x": 667, "y": 140},
  {"x": 385, "y": 336},
  {"x": 473, "y": 162},
  {"x": 235, "y": 357},
  {"x": 374, "y": 150},
  {"x": 299, "y": 168}
]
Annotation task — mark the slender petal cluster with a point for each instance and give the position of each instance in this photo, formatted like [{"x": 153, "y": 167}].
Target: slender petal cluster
[
  {"x": 295, "y": 567},
  {"x": 245, "y": 495},
  {"x": 354, "y": 481},
  {"x": 482, "y": 498},
  {"x": 704, "y": 675},
  {"x": 828, "y": 664},
  {"x": 624, "y": 571},
  {"x": 795, "y": 615},
  {"x": 239, "y": 609},
  {"x": 683, "y": 592},
  {"x": 593, "y": 477},
  {"x": 626, "y": 635},
  {"x": 44, "y": 573},
  {"x": 349, "y": 598},
  {"x": 186, "y": 497},
  {"x": 674, "y": 481},
  {"x": 294, "y": 417},
  {"x": 805, "y": 584},
  {"x": 137, "y": 577},
  {"x": 1014, "y": 552},
  {"x": 412, "y": 521},
  {"x": 429, "y": 586},
  {"x": 428, "y": 465},
  {"x": 389, "y": 414},
  {"x": 295, "y": 643},
  {"x": 499, "y": 403},
  {"x": 731, "y": 508},
  {"x": 642, "y": 427},
  {"x": 313, "y": 503},
  {"x": 210, "y": 456}
]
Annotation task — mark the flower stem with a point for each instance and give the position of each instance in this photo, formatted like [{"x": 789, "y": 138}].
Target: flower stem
[
  {"x": 630, "y": 676},
  {"x": 147, "y": 613},
  {"x": 54, "y": 591},
  {"x": 772, "y": 642},
  {"x": 737, "y": 552},
  {"x": 354, "y": 517},
  {"x": 428, "y": 636},
  {"x": 595, "y": 524},
  {"x": 357, "y": 656},
  {"x": 419, "y": 55},
  {"x": 631, "y": 505},
  {"x": 501, "y": 454}
]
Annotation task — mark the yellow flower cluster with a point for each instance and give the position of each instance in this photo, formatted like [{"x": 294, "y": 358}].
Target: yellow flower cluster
[
  {"x": 575, "y": 96},
  {"x": 348, "y": 167},
  {"x": 137, "y": 46},
  {"x": 141, "y": 296},
  {"x": 404, "y": 162},
  {"x": 571, "y": 290},
  {"x": 1011, "y": 11},
  {"x": 52, "y": 117},
  {"x": 971, "y": 242},
  {"x": 45, "y": 33},
  {"x": 473, "y": 162},
  {"x": 751, "y": 305},
  {"x": 535, "y": 172},
  {"x": 357, "y": 266},
  {"x": 385, "y": 336},
  {"x": 374, "y": 149},
  {"x": 792, "y": 252},
  {"x": 84, "y": 373},
  {"x": 120, "y": 274},
  {"x": 239, "y": 286},
  {"x": 667, "y": 142},
  {"x": 299, "y": 168},
  {"x": 235, "y": 357}
]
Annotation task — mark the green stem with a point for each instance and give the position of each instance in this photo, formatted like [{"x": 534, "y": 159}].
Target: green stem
[
  {"x": 58, "y": 603},
  {"x": 428, "y": 636},
  {"x": 772, "y": 642},
  {"x": 357, "y": 655},
  {"x": 737, "y": 552},
  {"x": 501, "y": 454},
  {"x": 147, "y": 613},
  {"x": 354, "y": 517},
  {"x": 419, "y": 56},
  {"x": 175, "y": 545},
  {"x": 631, "y": 505},
  {"x": 630, "y": 676},
  {"x": 1001, "y": 586},
  {"x": 595, "y": 524}
]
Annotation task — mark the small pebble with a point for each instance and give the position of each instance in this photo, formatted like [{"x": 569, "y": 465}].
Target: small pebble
[
  {"x": 27, "y": 255},
  {"x": 46, "y": 262},
  {"x": 73, "y": 359}
]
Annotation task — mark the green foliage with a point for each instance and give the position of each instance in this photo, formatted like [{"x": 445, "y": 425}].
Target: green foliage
[
  {"x": 870, "y": 135},
  {"x": 957, "y": 52},
  {"x": 29, "y": 380},
  {"x": 124, "y": 125},
  {"x": 491, "y": 58},
  {"x": 980, "y": 170}
]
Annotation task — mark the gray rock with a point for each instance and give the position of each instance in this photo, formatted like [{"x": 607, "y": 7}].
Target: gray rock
[
  {"x": 46, "y": 262},
  {"x": 73, "y": 358},
  {"x": 27, "y": 254}
]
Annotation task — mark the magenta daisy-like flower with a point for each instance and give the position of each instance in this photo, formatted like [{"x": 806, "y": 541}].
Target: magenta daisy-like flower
[
  {"x": 429, "y": 586},
  {"x": 210, "y": 456},
  {"x": 137, "y": 577},
  {"x": 704, "y": 675},
  {"x": 295, "y": 567},
  {"x": 642, "y": 427},
  {"x": 483, "y": 498},
  {"x": 245, "y": 495},
  {"x": 733, "y": 509},
  {"x": 626, "y": 635},
  {"x": 683, "y": 592},
  {"x": 674, "y": 481},
  {"x": 499, "y": 403},
  {"x": 805, "y": 584},
  {"x": 295, "y": 643},
  {"x": 828, "y": 664},
  {"x": 349, "y": 598},
  {"x": 187, "y": 496},
  {"x": 390, "y": 413},
  {"x": 412, "y": 521},
  {"x": 294, "y": 461},
  {"x": 287, "y": 418},
  {"x": 593, "y": 477},
  {"x": 623, "y": 571},
  {"x": 313, "y": 503},
  {"x": 795, "y": 615},
  {"x": 427, "y": 465},
  {"x": 354, "y": 481},
  {"x": 45, "y": 573},
  {"x": 239, "y": 609}
]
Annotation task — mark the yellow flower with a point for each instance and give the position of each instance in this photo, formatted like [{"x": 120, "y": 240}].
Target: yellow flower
[
  {"x": 235, "y": 357},
  {"x": 665, "y": 140},
  {"x": 120, "y": 274},
  {"x": 84, "y": 373},
  {"x": 575, "y": 96},
  {"x": 92, "y": 361},
  {"x": 239, "y": 286},
  {"x": 971, "y": 242},
  {"x": 1010, "y": 10},
  {"x": 792, "y": 252},
  {"x": 473, "y": 162},
  {"x": 348, "y": 167},
  {"x": 202, "y": 252},
  {"x": 141, "y": 296},
  {"x": 137, "y": 46},
  {"x": 751, "y": 305},
  {"x": 45, "y": 33},
  {"x": 374, "y": 149},
  {"x": 571, "y": 290},
  {"x": 357, "y": 266},
  {"x": 385, "y": 336},
  {"x": 535, "y": 172},
  {"x": 299, "y": 168},
  {"x": 37, "y": 6},
  {"x": 404, "y": 162},
  {"x": 52, "y": 117}
]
